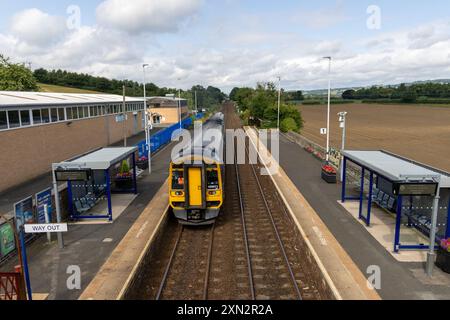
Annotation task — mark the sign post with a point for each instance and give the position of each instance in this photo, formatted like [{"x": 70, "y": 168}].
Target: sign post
[
  {"x": 47, "y": 221},
  {"x": 58, "y": 209},
  {"x": 23, "y": 211},
  {"x": 342, "y": 123}
]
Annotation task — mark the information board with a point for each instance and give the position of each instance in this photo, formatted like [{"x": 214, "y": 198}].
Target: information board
[
  {"x": 23, "y": 211},
  {"x": 415, "y": 189},
  {"x": 73, "y": 175},
  {"x": 44, "y": 200},
  {"x": 7, "y": 241}
]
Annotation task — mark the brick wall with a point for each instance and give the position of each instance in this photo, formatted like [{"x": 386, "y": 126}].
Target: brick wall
[{"x": 27, "y": 153}]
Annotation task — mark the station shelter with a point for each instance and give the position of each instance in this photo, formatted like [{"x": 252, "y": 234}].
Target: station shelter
[
  {"x": 400, "y": 186},
  {"x": 92, "y": 179}
]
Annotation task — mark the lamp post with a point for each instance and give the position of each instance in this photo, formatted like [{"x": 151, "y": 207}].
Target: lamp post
[
  {"x": 342, "y": 120},
  {"x": 328, "y": 109},
  {"x": 146, "y": 124},
  {"x": 279, "y": 102},
  {"x": 179, "y": 104}
]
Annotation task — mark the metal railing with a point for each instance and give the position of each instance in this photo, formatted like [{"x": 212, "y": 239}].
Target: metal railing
[{"x": 163, "y": 137}]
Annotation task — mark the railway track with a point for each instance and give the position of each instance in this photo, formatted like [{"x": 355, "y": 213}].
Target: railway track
[
  {"x": 180, "y": 281},
  {"x": 252, "y": 252}
]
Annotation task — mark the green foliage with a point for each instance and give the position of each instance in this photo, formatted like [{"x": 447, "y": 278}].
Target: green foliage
[
  {"x": 348, "y": 94},
  {"x": 311, "y": 102},
  {"x": 293, "y": 96},
  {"x": 124, "y": 168},
  {"x": 206, "y": 97},
  {"x": 288, "y": 124},
  {"x": 404, "y": 93},
  {"x": 15, "y": 77},
  {"x": 262, "y": 103}
]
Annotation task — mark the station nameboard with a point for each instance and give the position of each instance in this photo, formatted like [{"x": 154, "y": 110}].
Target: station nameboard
[
  {"x": 415, "y": 189},
  {"x": 73, "y": 175}
]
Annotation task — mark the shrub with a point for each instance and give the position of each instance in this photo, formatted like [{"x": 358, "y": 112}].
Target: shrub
[
  {"x": 288, "y": 124},
  {"x": 124, "y": 168},
  {"x": 311, "y": 102}
]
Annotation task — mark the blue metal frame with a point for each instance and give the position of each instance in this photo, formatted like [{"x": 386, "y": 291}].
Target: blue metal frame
[
  {"x": 70, "y": 199},
  {"x": 398, "y": 224},
  {"x": 447, "y": 232},
  {"x": 109, "y": 215},
  {"x": 134, "y": 174},
  {"x": 25, "y": 264},
  {"x": 361, "y": 193},
  {"x": 397, "y": 245},
  {"x": 369, "y": 204},
  {"x": 163, "y": 137},
  {"x": 108, "y": 193},
  {"x": 344, "y": 180}
]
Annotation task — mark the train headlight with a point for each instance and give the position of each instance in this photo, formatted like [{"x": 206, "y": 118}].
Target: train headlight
[
  {"x": 212, "y": 193},
  {"x": 179, "y": 193}
]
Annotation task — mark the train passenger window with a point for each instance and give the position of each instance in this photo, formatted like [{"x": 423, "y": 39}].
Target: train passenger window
[
  {"x": 212, "y": 178},
  {"x": 178, "y": 180}
]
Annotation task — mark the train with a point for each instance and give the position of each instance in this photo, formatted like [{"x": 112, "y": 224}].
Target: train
[{"x": 196, "y": 184}]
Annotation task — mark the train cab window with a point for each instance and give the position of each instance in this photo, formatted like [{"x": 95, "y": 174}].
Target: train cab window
[
  {"x": 212, "y": 178},
  {"x": 178, "y": 180}
]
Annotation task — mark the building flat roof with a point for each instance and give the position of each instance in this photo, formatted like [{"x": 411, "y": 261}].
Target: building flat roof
[
  {"x": 98, "y": 160},
  {"x": 396, "y": 168},
  {"x": 16, "y": 98}
]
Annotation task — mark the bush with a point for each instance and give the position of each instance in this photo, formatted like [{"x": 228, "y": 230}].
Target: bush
[
  {"x": 124, "y": 168},
  {"x": 288, "y": 124},
  {"x": 311, "y": 102}
]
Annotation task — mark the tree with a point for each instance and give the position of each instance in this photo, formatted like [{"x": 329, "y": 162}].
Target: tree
[
  {"x": 348, "y": 94},
  {"x": 409, "y": 96},
  {"x": 15, "y": 77}
]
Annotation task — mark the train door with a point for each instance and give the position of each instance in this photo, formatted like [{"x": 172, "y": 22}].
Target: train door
[{"x": 195, "y": 187}]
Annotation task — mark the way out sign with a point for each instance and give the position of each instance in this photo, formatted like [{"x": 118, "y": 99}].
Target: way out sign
[{"x": 44, "y": 228}]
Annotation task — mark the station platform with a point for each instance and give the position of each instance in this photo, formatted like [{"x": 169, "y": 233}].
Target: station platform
[
  {"x": 13, "y": 195},
  {"x": 87, "y": 246},
  {"x": 399, "y": 280},
  {"x": 341, "y": 273},
  {"x": 382, "y": 228},
  {"x": 114, "y": 276}
]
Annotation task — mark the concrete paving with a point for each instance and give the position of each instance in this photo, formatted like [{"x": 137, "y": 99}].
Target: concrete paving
[
  {"x": 87, "y": 246},
  {"x": 399, "y": 280}
]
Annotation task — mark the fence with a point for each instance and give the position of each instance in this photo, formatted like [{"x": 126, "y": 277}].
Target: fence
[
  {"x": 11, "y": 286},
  {"x": 163, "y": 137},
  {"x": 315, "y": 149},
  {"x": 319, "y": 152}
]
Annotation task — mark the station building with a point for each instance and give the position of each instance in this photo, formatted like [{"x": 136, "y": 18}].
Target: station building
[
  {"x": 37, "y": 129},
  {"x": 165, "y": 110}
]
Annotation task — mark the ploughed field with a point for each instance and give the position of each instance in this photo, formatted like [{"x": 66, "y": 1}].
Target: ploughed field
[{"x": 419, "y": 132}]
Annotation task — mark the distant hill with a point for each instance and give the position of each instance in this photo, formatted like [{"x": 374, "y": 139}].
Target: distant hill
[
  {"x": 338, "y": 91},
  {"x": 60, "y": 89}
]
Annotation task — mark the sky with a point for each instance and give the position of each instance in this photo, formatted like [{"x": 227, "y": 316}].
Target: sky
[{"x": 232, "y": 43}]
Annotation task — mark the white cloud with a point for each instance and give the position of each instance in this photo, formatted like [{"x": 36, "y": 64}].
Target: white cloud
[
  {"x": 321, "y": 18},
  {"x": 226, "y": 61},
  {"x": 140, "y": 16},
  {"x": 37, "y": 28}
]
